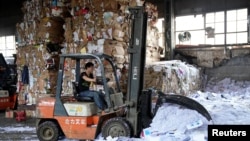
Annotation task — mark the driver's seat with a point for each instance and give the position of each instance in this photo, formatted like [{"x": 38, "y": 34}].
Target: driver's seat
[{"x": 76, "y": 94}]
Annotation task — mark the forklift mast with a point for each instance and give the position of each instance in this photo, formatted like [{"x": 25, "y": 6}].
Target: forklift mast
[
  {"x": 139, "y": 99},
  {"x": 136, "y": 50}
]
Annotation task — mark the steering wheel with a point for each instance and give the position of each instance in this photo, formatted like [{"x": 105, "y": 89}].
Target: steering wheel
[{"x": 99, "y": 80}]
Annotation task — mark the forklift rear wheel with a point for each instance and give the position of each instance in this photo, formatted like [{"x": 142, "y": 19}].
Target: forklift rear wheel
[
  {"x": 48, "y": 131},
  {"x": 116, "y": 127}
]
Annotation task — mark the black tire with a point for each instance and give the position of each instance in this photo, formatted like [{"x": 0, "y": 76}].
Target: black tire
[
  {"x": 116, "y": 127},
  {"x": 48, "y": 131}
]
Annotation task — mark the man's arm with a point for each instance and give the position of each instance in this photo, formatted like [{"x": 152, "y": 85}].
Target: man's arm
[{"x": 88, "y": 79}]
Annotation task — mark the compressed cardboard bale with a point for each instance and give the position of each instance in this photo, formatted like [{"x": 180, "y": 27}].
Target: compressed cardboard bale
[
  {"x": 21, "y": 100},
  {"x": 152, "y": 11},
  {"x": 66, "y": 89},
  {"x": 98, "y": 5},
  {"x": 35, "y": 58},
  {"x": 20, "y": 56},
  {"x": 110, "y": 75},
  {"x": 124, "y": 80},
  {"x": 118, "y": 49},
  {"x": 110, "y": 5},
  {"x": 68, "y": 34},
  {"x": 32, "y": 32},
  {"x": 152, "y": 78},
  {"x": 72, "y": 63},
  {"x": 49, "y": 61},
  {"x": 95, "y": 47},
  {"x": 53, "y": 75},
  {"x": 172, "y": 84},
  {"x": 151, "y": 60},
  {"x": 120, "y": 65},
  {"x": 56, "y": 59},
  {"x": 51, "y": 29},
  {"x": 69, "y": 48},
  {"x": 123, "y": 2},
  {"x": 20, "y": 34},
  {"x": 118, "y": 35},
  {"x": 68, "y": 65},
  {"x": 119, "y": 59},
  {"x": 77, "y": 21},
  {"x": 27, "y": 29},
  {"x": 46, "y": 3},
  {"x": 152, "y": 36},
  {"x": 46, "y": 82},
  {"x": 109, "y": 46},
  {"x": 155, "y": 52},
  {"x": 41, "y": 85},
  {"x": 90, "y": 22},
  {"x": 82, "y": 30},
  {"x": 120, "y": 28},
  {"x": 21, "y": 93},
  {"x": 173, "y": 77},
  {"x": 108, "y": 50},
  {"x": 74, "y": 3}
]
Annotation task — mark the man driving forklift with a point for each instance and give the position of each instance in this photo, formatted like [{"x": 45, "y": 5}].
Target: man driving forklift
[{"x": 86, "y": 82}]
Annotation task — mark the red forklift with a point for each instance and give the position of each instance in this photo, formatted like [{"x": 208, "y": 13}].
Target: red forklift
[
  {"x": 59, "y": 115},
  {"x": 8, "y": 79}
]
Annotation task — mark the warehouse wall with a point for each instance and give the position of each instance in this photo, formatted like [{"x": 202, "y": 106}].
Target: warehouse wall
[
  {"x": 219, "y": 61},
  {"x": 10, "y": 14},
  {"x": 184, "y": 7},
  {"x": 236, "y": 68}
]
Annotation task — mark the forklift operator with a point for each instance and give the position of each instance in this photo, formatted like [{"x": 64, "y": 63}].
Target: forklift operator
[{"x": 85, "y": 81}]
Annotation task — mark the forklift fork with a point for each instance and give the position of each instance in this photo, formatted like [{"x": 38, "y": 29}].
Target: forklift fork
[
  {"x": 183, "y": 101},
  {"x": 146, "y": 113}
]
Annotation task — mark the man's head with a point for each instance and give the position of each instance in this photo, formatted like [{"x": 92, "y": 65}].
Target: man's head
[{"x": 89, "y": 67}]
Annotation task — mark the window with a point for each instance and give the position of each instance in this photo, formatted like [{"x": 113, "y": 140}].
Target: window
[
  {"x": 215, "y": 28},
  {"x": 193, "y": 24},
  {"x": 209, "y": 28},
  {"x": 237, "y": 26},
  {"x": 7, "y": 46}
]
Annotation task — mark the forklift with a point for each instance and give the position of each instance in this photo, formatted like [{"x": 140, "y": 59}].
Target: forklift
[
  {"x": 8, "y": 80},
  {"x": 60, "y": 116}
]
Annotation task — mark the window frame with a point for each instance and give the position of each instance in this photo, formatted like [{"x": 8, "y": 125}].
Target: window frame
[
  {"x": 5, "y": 49},
  {"x": 225, "y": 33}
]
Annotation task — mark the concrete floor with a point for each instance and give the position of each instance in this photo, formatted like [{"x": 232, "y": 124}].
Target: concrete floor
[{"x": 12, "y": 130}]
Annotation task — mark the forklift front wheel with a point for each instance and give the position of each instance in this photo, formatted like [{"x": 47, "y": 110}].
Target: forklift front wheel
[
  {"x": 48, "y": 131},
  {"x": 116, "y": 127}
]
